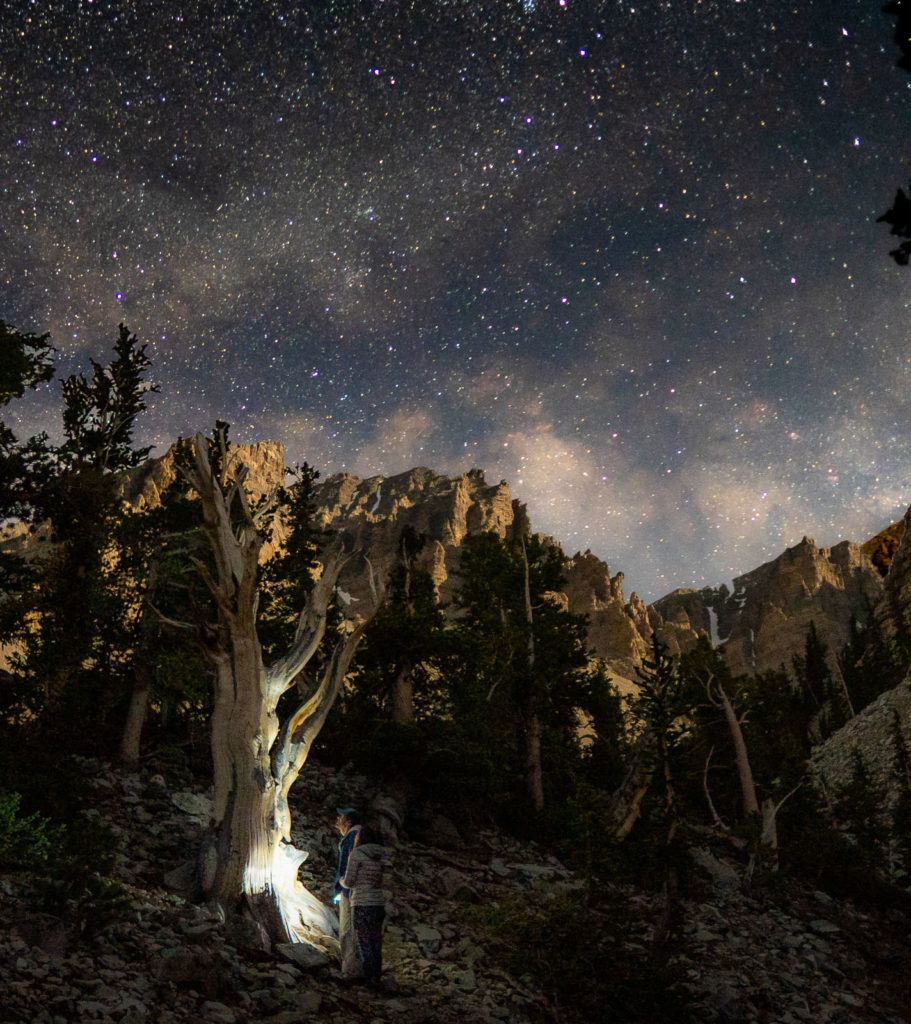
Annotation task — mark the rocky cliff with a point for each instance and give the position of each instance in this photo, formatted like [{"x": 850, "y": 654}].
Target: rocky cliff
[
  {"x": 881, "y": 548},
  {"x": 682, "y": 616},
  {"x": 894, "y": 607},
  {"x": 614, "y": 631},
  {"x": 871, "y": 734},
  {"x": 264, "y": 461},
  {"x": 763, "y": 623},
  {"x": 446, "y": 510}
]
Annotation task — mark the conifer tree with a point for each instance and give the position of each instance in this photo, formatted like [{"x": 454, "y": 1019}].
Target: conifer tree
[
  {"x": 813, "y": 672},
  {"x": 663, "y": 706},
  {"x": 872, "y": 661},
  {"x": 398, "y": 692},
  {"x": 261, "y": 734},
  {"x": 25, "y": 363},
  {"x": 400, "y": 661},
  {"x": 826, "y": 695},
  {"x": 859, "y": 810},
  {"x": 518, "y": 677},
  {"x": 288, "y": 577},
  {"x": 156, "y": 579},
  {"x": 68, "y": 654}
]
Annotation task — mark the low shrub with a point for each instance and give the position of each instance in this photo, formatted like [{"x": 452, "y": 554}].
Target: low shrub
[
  {"x": 26, "y": 841},
  {"x": 576, "y": 955}
]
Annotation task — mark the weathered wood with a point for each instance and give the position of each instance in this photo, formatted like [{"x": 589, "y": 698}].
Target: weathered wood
[
  {"x": 716, "y": 817},
  {"x": 744, "y": 769},
  {"x": 766, "y": 850},
  {"x": 247, "y": 852},
  {"x": 136, "y": 714},
  {"x": 402, "y": 704},
  {"x": 626, "y": 801}
]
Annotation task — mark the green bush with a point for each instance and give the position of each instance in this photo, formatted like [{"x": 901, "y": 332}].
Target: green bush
[
  {"x": 71, "y": 863},
  {"x": 77, "y": 887},
  {"x": 26, "y": 841}
]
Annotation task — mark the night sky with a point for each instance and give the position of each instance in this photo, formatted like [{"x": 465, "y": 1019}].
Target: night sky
[{"x": 623, "y": 255}]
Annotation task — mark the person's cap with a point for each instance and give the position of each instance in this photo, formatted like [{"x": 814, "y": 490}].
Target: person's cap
[{"x": 348, "y": 812}]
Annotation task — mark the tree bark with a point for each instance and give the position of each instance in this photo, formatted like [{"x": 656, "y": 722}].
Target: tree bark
[
  {"x": 769, "y": 836},
  {"x": 668, "y": 917},
  {"x": 716, "y": 817},
  {"x": 138, "y": 708},
  {"x": 403, "y": 698},
  {"x": 533, "y": 773},
  {"x": 626, "y": 801},
  {"x": 131, "y": 739},
  {"x": 767, "y": 848},
  {"x": 744, "y": 770},
  {"x": 845, "y": 691},
  {"x": 247, "y": 855}
]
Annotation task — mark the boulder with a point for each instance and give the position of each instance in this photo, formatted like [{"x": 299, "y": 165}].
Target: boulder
[
  {"x": 197, "y": 805},
  {"x": 725, "y": 878},
  {"x": 218, "y": 1013},
  {"x": 455, "y": 886},
  {"x": 303, "y": 954},
  {"x": 182, "y": 879},
  {"x": 428, "y": 938}
]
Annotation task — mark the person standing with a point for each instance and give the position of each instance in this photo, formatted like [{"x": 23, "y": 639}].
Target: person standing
[
  {"x": 348, "y": 825},
  {"x": 364, "y": 881}
]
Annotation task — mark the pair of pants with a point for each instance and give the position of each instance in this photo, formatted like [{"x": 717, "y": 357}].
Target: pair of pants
[
  {"x": 368, "y": 924},
  {"x": 347, "y": 940}
]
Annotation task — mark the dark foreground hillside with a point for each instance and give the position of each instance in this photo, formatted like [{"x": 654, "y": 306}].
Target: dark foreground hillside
[{"x": 480, "y": 928}]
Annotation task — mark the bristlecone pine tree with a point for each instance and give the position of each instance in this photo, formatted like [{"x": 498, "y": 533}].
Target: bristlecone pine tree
[{"x": 247, "y": 856}]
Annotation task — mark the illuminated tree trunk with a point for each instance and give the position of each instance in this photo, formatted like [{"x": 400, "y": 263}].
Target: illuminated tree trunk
[{"x": 247, "y": 855}]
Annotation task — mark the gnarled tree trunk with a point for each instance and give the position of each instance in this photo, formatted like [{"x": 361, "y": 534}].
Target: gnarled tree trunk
[{"x": 247, "y": 852}]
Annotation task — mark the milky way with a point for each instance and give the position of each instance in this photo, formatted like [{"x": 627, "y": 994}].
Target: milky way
[{"x": 623, "y": 255}]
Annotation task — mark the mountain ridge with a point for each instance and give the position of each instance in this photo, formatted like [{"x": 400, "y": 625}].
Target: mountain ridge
[{"x": 759, "y": 625}]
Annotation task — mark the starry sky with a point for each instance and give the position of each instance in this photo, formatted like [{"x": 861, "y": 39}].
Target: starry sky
[{"x": 621, "y": 254}]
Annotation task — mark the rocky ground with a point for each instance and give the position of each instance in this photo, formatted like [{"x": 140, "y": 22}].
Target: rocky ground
[{"x": 791, "y": 956}]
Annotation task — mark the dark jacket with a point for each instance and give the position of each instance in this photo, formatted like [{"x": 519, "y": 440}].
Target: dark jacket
[{"x": 345, "y": 846}]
